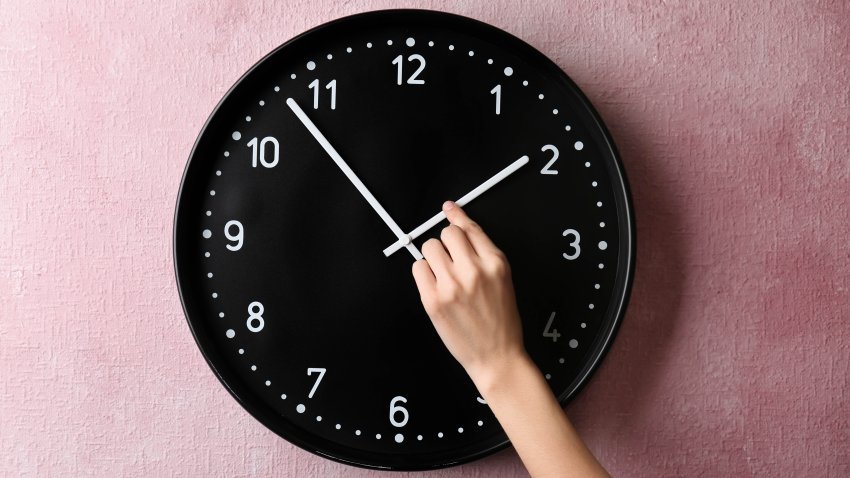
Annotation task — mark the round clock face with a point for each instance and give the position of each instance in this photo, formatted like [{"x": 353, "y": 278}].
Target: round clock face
[{"x": 311, "y": 189}]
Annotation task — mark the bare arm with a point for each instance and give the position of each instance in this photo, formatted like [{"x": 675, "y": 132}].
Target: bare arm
[{"x": 465, "y": 285}]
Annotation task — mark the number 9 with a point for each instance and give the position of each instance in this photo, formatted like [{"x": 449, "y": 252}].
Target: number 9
[{"x": 238, "y": 237}]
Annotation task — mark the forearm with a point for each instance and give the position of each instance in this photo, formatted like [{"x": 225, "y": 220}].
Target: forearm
[
  {"x": 465, "y": 286},
  {"x": 534, "y": 421}
]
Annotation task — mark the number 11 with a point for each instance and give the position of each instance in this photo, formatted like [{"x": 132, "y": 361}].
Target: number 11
[{"x": 314, "y": 85}]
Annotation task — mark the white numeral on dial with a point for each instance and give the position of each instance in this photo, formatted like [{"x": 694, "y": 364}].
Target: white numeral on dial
[
  {"x": 261, "y": 151},
  {"x": 238, "y": 238},
  {"x": 396, "y": 409},
  {"x": 549, "y": 331},
  {"x": 497, "y": 90},
  {"x": 546, "y": 169},
  {"x": 314, "y": 85},
  {"x": 321, "y": 372},
  {"x": 575, "y": 244},
  {"x": 413, "y": 80},
  {"x": 255, "y": 320}
]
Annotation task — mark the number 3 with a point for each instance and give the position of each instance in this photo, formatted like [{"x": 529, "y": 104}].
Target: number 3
[{"x": 575, "y": 244}]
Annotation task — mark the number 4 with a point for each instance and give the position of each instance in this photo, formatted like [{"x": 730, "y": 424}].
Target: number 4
[
  {"x": 551, "y": 333},
  {"x": 321, "y": 372}
]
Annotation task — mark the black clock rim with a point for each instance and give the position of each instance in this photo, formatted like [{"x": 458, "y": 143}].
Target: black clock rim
[{"x": 625, "y": 218}]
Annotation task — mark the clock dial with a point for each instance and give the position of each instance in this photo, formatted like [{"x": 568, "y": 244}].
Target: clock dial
[{"x": 311, "y": 189}]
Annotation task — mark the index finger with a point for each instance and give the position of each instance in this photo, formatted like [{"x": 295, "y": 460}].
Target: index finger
[{"x": 457, "y": 216}]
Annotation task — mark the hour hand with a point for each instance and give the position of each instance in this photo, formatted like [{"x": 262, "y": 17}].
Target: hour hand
[
  {"x": 403, "y": 239},
  {"x": 436, "y": 218}
]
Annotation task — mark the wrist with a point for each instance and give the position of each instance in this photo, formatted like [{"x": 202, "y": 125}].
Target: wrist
[{"x": 504, "y": 373}]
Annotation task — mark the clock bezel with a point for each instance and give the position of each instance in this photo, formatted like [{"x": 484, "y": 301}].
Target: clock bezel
[{"x": 295, "y": 48}]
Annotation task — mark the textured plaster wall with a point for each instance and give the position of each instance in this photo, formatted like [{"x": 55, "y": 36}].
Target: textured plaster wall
[{"x": 732, "y": 119}]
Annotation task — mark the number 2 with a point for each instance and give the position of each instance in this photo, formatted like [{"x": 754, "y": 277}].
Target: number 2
[{"x": 554, "y": 151}]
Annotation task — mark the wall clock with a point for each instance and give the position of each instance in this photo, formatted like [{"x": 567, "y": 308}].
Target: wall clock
[{"x": 314, "y": 183}]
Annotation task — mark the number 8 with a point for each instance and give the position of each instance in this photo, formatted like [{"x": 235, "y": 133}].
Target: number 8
[{"x": 255, "y": 316}]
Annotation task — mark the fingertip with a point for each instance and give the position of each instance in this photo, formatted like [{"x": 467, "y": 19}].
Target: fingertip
[
  {"x": 423, "y": 275},
  {"x": 454, "y": 213}
]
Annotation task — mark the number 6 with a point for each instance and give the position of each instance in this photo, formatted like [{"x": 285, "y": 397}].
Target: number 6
[{"x": 398, "y": 409}]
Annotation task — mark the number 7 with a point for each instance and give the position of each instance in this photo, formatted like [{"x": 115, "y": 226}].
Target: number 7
[{"x": 321, "y": 372}]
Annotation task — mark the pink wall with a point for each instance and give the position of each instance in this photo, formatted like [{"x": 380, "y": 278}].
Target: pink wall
[{"x": 733, "y": 122}]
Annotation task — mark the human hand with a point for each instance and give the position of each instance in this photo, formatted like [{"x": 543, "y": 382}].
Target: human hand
[{"x": 465, "y": 286}]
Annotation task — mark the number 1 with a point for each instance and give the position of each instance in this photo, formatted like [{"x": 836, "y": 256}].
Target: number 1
[{"x": 497, "y": 90}]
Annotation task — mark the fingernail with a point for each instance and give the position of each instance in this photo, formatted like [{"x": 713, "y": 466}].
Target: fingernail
[{"x": 448, "y": 205}]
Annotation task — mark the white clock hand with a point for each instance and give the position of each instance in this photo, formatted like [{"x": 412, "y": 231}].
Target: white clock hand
[
  {"x": 460, "y": 202},
  {"x": 403, "y": 240}
]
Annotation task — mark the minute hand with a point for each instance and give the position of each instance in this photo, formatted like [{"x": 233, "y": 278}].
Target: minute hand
[
  {"x": 353, "y": 177},
  {"x": 495, "y": 179}
]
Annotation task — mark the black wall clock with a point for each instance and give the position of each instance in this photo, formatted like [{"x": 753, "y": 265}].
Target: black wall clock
[{"x": 312, "y": 187}]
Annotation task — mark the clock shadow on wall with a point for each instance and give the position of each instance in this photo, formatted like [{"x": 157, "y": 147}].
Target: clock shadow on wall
[
  {"x": 629, "y": 374},
  {"x": 281, "y": 247}
]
